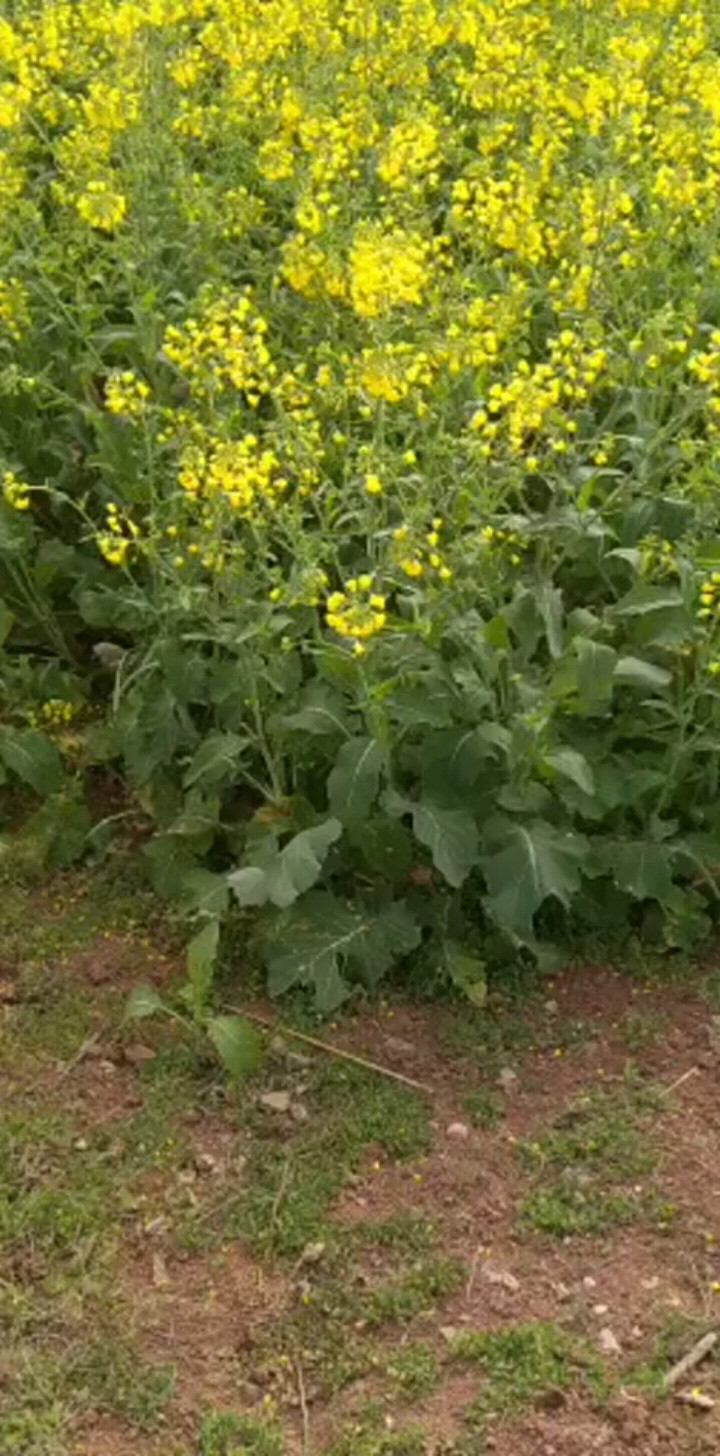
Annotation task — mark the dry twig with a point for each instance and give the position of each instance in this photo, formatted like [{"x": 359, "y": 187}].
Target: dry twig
[
  {"x": 696, "y": 1398},
  {"x": 666, "y": 1091},
  {"x": 303, "y": 1407},
  {"x": 700, "y": 1349},
  {"x": 325, "y": 1046}
]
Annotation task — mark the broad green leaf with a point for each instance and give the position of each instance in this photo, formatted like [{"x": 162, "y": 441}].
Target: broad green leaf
[
  {"x": 532, "y": 862},
  {"x": 285, "y": 874},
  {"x": 450, "y": 835},
  {"x": 205, "y": 893},
  {"x": 321, "y": 936},
  {"x": 353, "y": 782},
  {"x": 143, "y": 1001},
  {"x": 642, "y": 868},
  {"x": 637, "y": 673},
  {"x": 385, "y": 845},
  {"x": 201, "y": 958},
  {"x": 549, "y": 602},
  {"x": 250, "y": 885},
  {"x": 466, "y": 971},
  {"x": 216, "y": 760},
  {"x": 645, "y": 598},
  {"x": 427, "y": 704},
  {"x": 237, "y": 1044},
  {"x": 384, "y": 939},
  {"x": 6, "y": 622},
  {"x": 569, "y": 764},
  {"x": 317, "y": 936},
  {"x": 595, "y": 667},
  {"x": 34, "y": 759},
  {"x": 454, "y": 759},
  {"x": 321, "y": 713}
]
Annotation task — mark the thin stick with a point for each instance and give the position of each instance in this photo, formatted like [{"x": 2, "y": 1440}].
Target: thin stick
[
  {"x": 699, "y": 1350},
  {"x": 696, "y": 1398},
  {"x": 81, "y": 1053},
  {"x": 325, "y": 1046},
  {"x": 303, "y": 1407},
  {"x": 665, "y": 1091},
  {"x": 277, "y": 1200},
  {"x": 473, "y": 1271}
]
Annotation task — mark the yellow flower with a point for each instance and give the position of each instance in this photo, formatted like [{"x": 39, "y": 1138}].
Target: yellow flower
[
  {"x": 126, "y": 394},
  {"x": 101, "y": 206},
  {"x": 16, "y": 493},
  {"x": 373, "y": 485}
]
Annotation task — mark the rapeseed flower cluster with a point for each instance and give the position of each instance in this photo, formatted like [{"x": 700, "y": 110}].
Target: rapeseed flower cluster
[{"x": 301, "y": 280}]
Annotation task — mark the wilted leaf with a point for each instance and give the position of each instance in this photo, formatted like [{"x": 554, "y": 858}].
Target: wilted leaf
[{"x": 237, "y": 1044}]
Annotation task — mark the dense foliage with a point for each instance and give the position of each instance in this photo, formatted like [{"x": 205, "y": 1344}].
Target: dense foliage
[{"x": 360, "y": 373}]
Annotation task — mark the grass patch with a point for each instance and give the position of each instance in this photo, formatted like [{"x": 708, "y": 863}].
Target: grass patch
[
  {"x": 415, "y": 1370},
  {"x": 642, "y": 1029},
  {"x": 50, "y": 1393},
  {"x": 483, "y": 1108},
  {"x": 293, "y": 1176},
  {"x": 519, "y": 1365},
  {"x": 587, "y": 1165},
  {"x": 415, "y": 1293},
  {"x": 223, "y": 1433}
]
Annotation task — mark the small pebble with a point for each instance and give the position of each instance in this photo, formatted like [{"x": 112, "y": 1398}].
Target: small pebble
[{"x": 458, "y": 1130}]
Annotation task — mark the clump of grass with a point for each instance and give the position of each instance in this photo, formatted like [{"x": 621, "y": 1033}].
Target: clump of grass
[
  {"x": 587, "y": 1165},
  {"x": 417, "y": 1291},
  {"x": 483, "y": 1108},
  {"x": 225, "y": 1433},
  {"x": 292, "y": 1180},
  {"x": 518, "y": 1365},
  {"x": 415, "y": 1370}
]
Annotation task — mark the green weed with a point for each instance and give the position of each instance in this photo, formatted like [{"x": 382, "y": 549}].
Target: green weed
[
  {"x": 223, "y": 1433},
  {"x": 518, "y": 1364},
  {"x": 415, "y": 1370},
  {"x": 414, "y": 1293},
  {"x": 292, "y": 1179},
  {"x": 582, "y": 1162},
  {"x": 483, "y": 1108}
]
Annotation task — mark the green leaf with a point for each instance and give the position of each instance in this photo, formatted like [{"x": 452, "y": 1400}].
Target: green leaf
[
  {"x": 201, "y": 959},
  {"x": 250, "y": 885},
  {"x": 216, "y": 760},
  {"x": 533, "y": 861},
  {"x": 322, "y": 713},
  {"x": 143, "y": 1001},
  {"x": 385, "y": 845},
  {"x": 454, "y": 759},
  {"x": 319, "y": 934},
  {"x": 595, "y": 668},
  {"x": 6, "y": 622},
  {"x": 237, "y": 1044},
  {"x": 34, "y": 759},
  {"x": 205, "y": 893},
  {"x": 549, "y": 602},
  {"x": 450, "y": 835},
  {"x": 636, "y": 673},
  {"x": 642, "y": 868},
  {"x": 466, "y": 971},
  {"x": 284, "y": 874},
  {"x": 569, "y": 764},
  {"x": 353, "y": 782},
  {"x": 384, "y": 939},
  {"x": 322, "y": 936}
]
